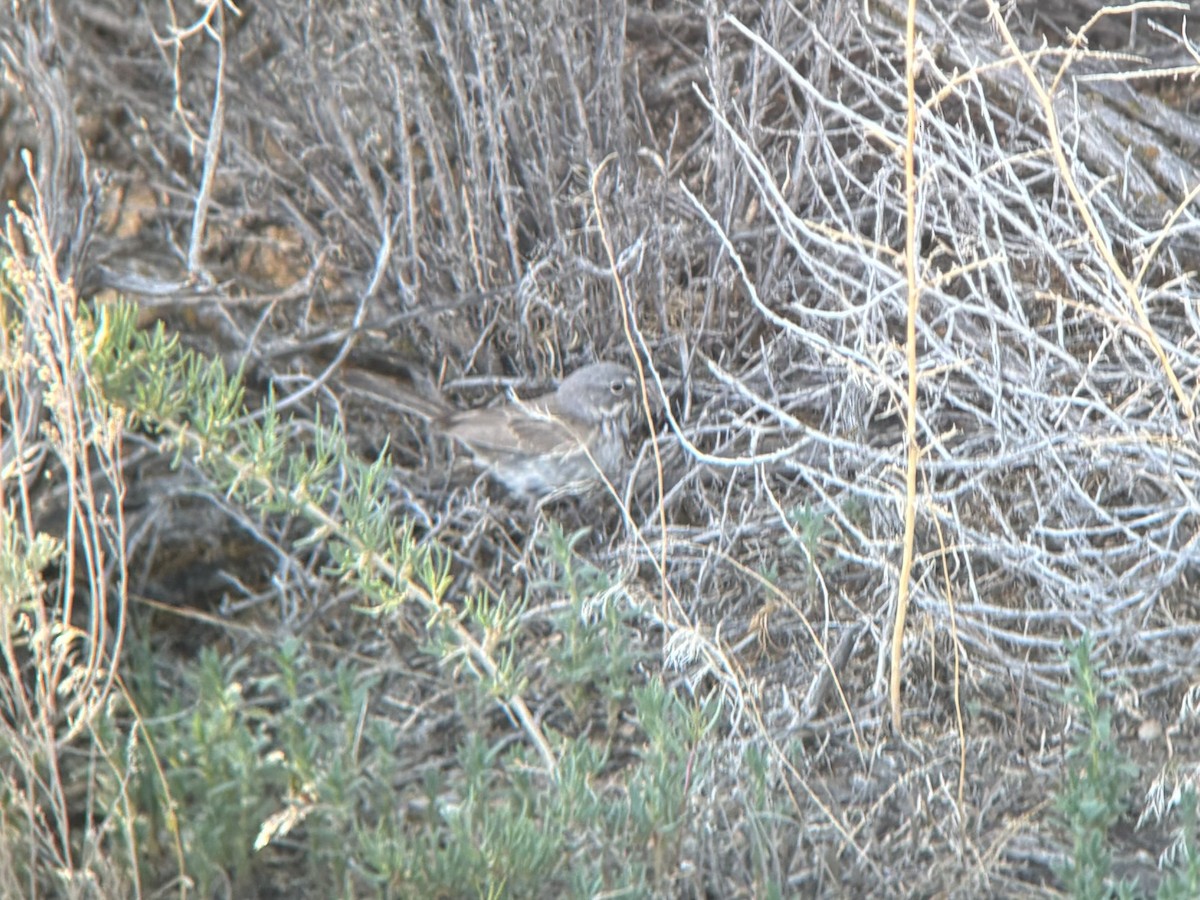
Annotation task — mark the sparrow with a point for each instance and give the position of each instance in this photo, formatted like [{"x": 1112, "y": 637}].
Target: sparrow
[{"x": 564, "y": 442}]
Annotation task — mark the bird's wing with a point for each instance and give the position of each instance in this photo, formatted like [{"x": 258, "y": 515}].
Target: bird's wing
[{"x": 507, "y": 430}]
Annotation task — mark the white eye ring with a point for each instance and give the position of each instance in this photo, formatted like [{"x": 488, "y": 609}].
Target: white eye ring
[{"x": 617, "y": 387}]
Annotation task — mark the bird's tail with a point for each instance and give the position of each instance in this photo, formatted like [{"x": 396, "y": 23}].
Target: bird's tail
[{"x": 406, "y": 396}]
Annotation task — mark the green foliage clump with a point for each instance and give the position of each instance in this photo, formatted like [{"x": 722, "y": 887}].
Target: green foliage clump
[
  {"x": 1096, "y": 796},
  {"x": 1096, "y": 792}
]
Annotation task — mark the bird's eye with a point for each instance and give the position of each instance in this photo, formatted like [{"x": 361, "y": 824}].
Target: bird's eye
[{"x": 617, "y": 387}]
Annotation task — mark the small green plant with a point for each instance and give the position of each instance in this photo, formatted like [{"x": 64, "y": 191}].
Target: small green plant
[
  {"x": 1096, "y": 796},
  {"x": 258, "y": 758},
  {"x": 1096, "y": 792},
  {"x": 595, "y": 658}
]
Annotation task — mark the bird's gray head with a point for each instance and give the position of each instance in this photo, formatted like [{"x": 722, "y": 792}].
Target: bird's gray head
[{"x": 598, "y": 392}]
